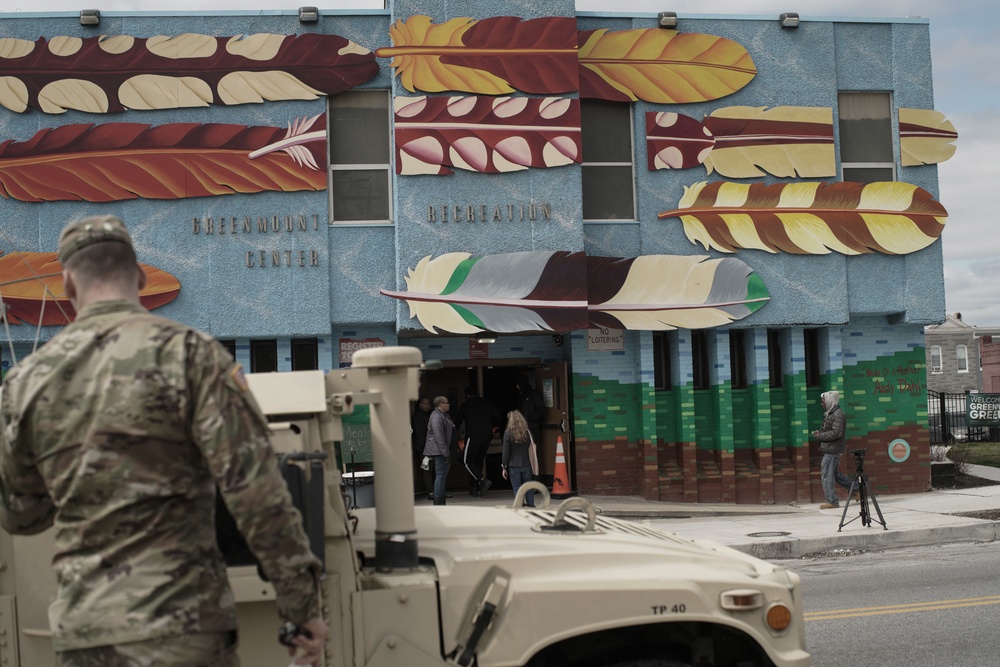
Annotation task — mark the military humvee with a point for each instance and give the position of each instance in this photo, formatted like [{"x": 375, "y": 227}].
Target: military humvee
[{"x": 549, "y": 586}]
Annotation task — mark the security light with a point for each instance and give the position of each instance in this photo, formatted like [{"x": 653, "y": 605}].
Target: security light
[
  {"x": 789, "y": 20},
  {"x": 667, "y": 19}
]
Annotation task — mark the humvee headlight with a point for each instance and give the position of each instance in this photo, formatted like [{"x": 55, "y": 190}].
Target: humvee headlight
[
  {"x": 742, "y": 600},
  {"x": 778, "y": 617}
]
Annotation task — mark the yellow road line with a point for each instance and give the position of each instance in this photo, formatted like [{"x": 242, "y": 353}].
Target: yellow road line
[{"x": 905, "y": 608}]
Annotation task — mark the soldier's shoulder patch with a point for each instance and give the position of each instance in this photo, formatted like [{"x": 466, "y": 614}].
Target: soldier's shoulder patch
[{"x": 239, "y": 378}]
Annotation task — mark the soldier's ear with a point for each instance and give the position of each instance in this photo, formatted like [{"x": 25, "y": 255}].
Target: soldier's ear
[{"x": 69, "y": 287}]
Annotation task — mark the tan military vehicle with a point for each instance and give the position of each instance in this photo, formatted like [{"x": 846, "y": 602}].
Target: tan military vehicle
[{"x": 405, "y": 586}]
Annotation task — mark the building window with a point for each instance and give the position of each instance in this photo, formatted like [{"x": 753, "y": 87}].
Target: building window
[
  {"x": 305, "y": 354},
  {"x": 738, "y": 359},
  {"x": 962, "y": 355},
  {"x": 263, "y": 356},
  {"x": 936, "y": 359},
  {"x": 866, "y": 154},
  {"x": 608, "y": 180},
  {"x": 230, "y": 346},
  {"x": 811, "y": 341},
  {"x": 775, "y": 369},
  {"x": 661, "y": 361},
  {"x": 360, "y": 157},
  {"x": 699, "y": 360}
]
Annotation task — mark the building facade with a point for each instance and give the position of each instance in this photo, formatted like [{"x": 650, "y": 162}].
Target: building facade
[{"x": 682, "y": 229}]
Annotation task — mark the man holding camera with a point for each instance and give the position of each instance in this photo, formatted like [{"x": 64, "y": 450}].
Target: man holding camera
[{"x": 832, "y": 442}]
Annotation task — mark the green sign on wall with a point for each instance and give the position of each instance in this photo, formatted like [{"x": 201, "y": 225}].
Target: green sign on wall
[{"x": 982, "y": 409}]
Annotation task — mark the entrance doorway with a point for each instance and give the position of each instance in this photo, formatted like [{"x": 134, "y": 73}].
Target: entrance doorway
[{"x": 496, "y": 380}]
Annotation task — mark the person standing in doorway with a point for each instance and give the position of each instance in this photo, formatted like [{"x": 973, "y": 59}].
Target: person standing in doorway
[
  {"x": 832, "y": 442},
  {"x": 516, "y": 461},
  {"x": 418, "y": 439},
  {"x": 479, "y": 417},
  {"x": 440, "y": 431},
  {"x": 531, "y": 404},
  {"x": 117, "y": 433}
]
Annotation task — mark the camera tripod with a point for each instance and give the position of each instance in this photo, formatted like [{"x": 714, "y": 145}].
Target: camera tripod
[{"x": 864, "y": 489}]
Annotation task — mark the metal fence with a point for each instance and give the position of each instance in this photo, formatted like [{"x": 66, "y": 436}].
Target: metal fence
[{"x": 946, "y": 419}]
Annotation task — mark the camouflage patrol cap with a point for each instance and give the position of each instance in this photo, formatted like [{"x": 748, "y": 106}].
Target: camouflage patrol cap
[{"x": 96, "y": 229}]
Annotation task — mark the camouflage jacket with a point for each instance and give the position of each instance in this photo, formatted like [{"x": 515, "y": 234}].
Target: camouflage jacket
[{"x": 117, "y": 433}]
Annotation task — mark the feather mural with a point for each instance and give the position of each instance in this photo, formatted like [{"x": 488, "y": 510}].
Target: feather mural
[
  {"x": 810, "y": 218},
  {"x": 494, "y": 56},
  {"x": 562, "y": 291},
  {"x": 663, "y": 292},
  {"x": 745, "y": 142},
  {"x": 114, "y": 73},
  {"x": 32, "y": 288},
  {"x": 117, "y": 161},
  {"x": 661, "y": 66},
  {"x": 925, "y": 137},
  {"x": 485, "y": 134}
]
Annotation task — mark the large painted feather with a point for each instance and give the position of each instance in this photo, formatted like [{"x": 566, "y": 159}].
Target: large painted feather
[
  {"x": 485, "y": 134},
  {"x": 784, "y": 141},
  {"x": 661, "y": 66},
  {"x": 32, "y": 288},
  {"x": 561, "y": 291},
  {"x": 117, "y": 161},
  {"x": 507, "y": 293},
  {"x": 662, "y": 292},
  {"x": 925, "y": 137},
  {"x": 811, "y": 218},
  {"x": 114, "y": 73},
  {"x": 676, "y": 141},
  {"x": 494, "y": 56}
]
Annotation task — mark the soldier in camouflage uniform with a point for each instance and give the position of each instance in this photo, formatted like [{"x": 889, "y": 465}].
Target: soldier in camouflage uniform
[{"x": 117, "y": 433}]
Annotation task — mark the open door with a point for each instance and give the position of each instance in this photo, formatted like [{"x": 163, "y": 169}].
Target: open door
[{"x": 553, "y": 383}]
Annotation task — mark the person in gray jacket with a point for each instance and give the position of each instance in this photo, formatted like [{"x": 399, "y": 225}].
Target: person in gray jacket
[
  {"x": 516, "y": 459},
  {"x": 832, "y": 442},
  {"x": 440, "y": 430}
]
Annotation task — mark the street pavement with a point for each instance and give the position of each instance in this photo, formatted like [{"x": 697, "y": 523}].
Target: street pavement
[{"x": 799, "y": 529}]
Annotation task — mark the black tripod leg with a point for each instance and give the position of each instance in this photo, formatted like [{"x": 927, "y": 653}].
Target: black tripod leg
[
  {"x": 850, "y": 494},
  {"x": 878, "y": 510}
]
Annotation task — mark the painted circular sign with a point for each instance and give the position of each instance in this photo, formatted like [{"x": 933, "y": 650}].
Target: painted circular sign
[{"x": 899, "y": 450}]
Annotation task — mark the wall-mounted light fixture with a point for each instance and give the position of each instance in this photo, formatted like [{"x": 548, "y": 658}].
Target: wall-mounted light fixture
[
  {"x": 90, "y": 17},
  {"x": 789, "y": 20},
  {"x": 308, "y": 14},
  {"x": 667, "y": 19},
  {"x": 557, "y": 340},
  {"x": 486, "y": 337}
]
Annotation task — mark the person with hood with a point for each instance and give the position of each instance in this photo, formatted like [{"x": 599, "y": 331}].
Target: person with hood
[
  {"x": 531, "y": 405},
  {"x": 832, "y": 442},
  {"x": 479, "y": 416}
]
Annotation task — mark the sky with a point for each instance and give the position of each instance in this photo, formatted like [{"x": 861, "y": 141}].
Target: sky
[{"x": 965, "y": 51}]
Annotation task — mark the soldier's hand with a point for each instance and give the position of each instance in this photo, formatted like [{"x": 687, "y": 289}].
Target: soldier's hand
[{"x": 308, "y": 646}]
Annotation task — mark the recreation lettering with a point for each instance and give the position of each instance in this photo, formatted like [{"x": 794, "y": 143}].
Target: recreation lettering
[{"x": 489, "y": 213}]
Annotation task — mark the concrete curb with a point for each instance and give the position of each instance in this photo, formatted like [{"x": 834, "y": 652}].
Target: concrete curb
[{"x": 872, "y": 538}]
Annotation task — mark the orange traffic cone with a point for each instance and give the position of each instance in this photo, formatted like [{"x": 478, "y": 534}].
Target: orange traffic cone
[{"x": 560, "y": 479}]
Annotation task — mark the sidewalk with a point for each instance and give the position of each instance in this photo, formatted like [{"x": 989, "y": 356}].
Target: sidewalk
[{"x": 794, "y": 530}]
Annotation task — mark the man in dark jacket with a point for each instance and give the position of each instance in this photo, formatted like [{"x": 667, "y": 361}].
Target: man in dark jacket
[
  {"x": 832, "y": 442},
  {"x": 531, "y": 404},
  {"x": 440, "y": 430},
  {"x": 479, "y": 417}
]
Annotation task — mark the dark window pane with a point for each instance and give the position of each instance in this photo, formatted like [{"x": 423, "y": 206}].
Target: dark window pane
[
  {"x": 230, "y": 346},
  {"x": 737, "y": 360},
  {"x": 361, "y": 194},
  {"x": 263, "y": 356},
  {"x": 305, "y": 354},
  {"x": 359, "y": 127},
  {"x": 661, "y": 361},
  {"x": 811, "y": 337},
  {"x": 865, "y": 127},
  {"x": 607, "y": 131},
  {"x": 699, "y": 359},
  {"x": 775, "y": 369},
  {"x": 607, "y": 193},
  {"x": 868, "y": 174}
]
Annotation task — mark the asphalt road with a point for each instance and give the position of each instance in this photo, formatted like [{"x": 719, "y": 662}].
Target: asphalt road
[{"x": 933, "y": 606}]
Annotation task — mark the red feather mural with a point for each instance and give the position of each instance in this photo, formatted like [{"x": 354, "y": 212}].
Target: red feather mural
[
  {"x": 32, "y": 288},
  {"x": 114, "y": 73},
  {"x": 117, "y": 161},
  {"x": 485, "y": 134}
]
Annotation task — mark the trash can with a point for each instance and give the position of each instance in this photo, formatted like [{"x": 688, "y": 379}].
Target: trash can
[{"x": 360, "y": 488}]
